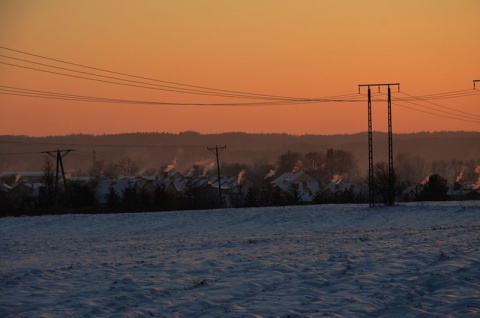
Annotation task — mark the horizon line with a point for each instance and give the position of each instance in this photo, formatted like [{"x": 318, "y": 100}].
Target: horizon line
[{"x": 192, "y": 132}]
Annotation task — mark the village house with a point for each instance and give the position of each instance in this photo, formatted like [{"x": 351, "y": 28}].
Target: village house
[
  {"x": 411, "y": 192},
  {"x": 299, "y": 182},
  {"x": 463, "y": 191},
  {"x": 176, "y": 185},
  {"x": 25, "y": 193}
]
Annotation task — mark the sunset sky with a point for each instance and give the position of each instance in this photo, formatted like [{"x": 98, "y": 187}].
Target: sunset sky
[{"x": 298, "y": 50}]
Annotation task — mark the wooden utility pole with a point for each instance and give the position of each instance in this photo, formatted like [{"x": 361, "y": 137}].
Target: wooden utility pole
[
  {"x": 217, "y": 151},
  {"x": 58, "y": 155},
  {"x": 391, "y": 174}
]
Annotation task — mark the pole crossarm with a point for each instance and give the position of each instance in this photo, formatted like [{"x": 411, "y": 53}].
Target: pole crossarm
[
  {"x": 63, "y": 152},
  {"x": 219, "y": 149},
  {"x": 379, "y": 85}
]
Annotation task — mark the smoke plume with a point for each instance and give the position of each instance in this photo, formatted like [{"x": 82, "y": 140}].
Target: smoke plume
[
  {"x": 477, "y": 184},
  {"x": 240, "y": 177},
  {"x": 171, "y": 166},
  {"x": 336, "y": 179},
  {"x": 208, "y": 168},
  {"x": 298, "y": 166},
  {"x": 424, "y": 182},
  {"x": 459, "y": 177},
  {"x": 271, "y": 173}
]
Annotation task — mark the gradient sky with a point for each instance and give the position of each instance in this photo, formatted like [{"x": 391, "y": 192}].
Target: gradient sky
[{"x": 305, "y": 49}]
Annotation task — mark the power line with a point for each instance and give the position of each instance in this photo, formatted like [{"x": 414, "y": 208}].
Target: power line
[
  {"x": 51, "y": 95},
  {"x": 445, "y": 95},
  {"x": 345, "y": 98},
  {"x": 87, "y": 156},
  {"x": 18, "y": 153},
  {"x": 124, "y": 101},
  {"x": 101, "y": 145},
  {"x": 274, "y": 100},
  {"x": 10, "y": 90},
  {"x": 147, "y": 78},
  {"x": 457, "y": 116},
  {"x": 126, "y": 84},
  {"x": 453, "y": 109},
  {"x": 159, "y": 87},
  {"x": 432, "y": 113},
  {"x": 427, "y": 112},
  {"x": 199, "y": 90}
]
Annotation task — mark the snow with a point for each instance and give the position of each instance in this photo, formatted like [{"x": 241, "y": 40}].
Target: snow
[{"x": 411, "y": 260}]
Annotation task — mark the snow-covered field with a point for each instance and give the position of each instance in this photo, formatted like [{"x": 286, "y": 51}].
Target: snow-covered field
[{"x": 410, "y": 260}]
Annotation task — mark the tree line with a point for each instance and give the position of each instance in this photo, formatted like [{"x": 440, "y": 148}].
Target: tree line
[
  {"x": 332, "y": 165},
  {"x": 149, "y": 150}
]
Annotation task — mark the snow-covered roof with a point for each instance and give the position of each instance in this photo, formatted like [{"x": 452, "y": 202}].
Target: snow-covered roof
[
  {"x": 305, "y": 189},
  {"x": 461, "y": 188},
  {"x": 180, "y": 185},
  {"x": 338, "y": 186},
  {"x": 288, "y": 177},
  {"x": 5, "y": 187}
]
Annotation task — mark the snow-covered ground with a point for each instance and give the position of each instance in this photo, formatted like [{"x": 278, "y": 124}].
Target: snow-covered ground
[{"x": 410, "y": 260}]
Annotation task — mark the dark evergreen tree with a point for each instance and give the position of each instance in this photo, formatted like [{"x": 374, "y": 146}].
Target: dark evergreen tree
[
  {"x": 293, "y": 195},
  {"x": 145, "y": 201},
  {"x": 251, "y": 198},
  {"x": 46, "y": 196},
  {"x": 82, "y": 194},
  {"x": 276, "y": 197},
  {"x": 347, "y": 196},
  {"x": 113, "y": 200},
  {"x": 435, "y": 189},
  {"x": 130, "y": 199},
  {"x": 161, "y": 199}
]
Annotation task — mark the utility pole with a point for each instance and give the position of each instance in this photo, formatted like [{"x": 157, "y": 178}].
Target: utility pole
[
  {"x": 59, "y": 154},
  {"x": 217, "y": 151},
  {"x": 391, "y": 174},
  {"x": 475, "y": 81}
]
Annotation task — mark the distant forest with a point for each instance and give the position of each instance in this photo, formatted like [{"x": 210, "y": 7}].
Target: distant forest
[{"x": 438, "y": 152}]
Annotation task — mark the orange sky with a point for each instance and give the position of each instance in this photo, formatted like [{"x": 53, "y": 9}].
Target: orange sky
[{"x": 305, "y": 49}]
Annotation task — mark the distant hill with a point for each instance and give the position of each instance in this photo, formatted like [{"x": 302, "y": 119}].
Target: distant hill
[{"x": 156, "y": 150}]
